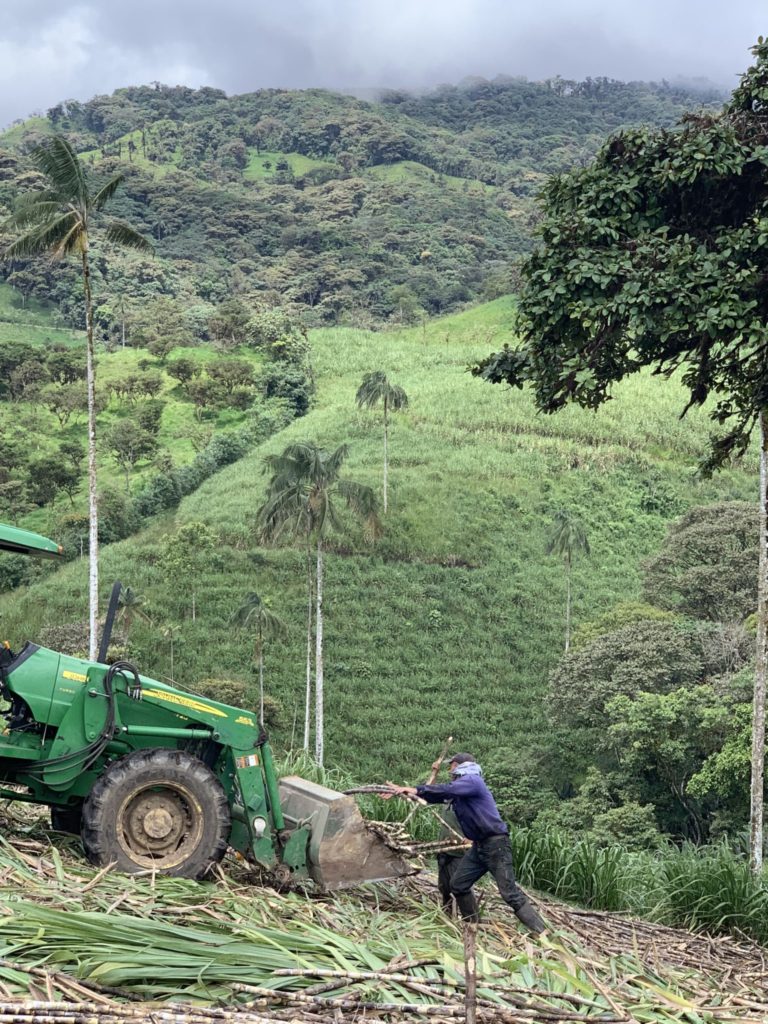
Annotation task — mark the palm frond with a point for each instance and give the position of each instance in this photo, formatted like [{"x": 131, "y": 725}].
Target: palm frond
[
  {"x": 33, "y": 208},
  {"x": 362, "y": 500},
  {"x": 284, "y": 511},
  {"x": 120, "y": 233},
  {"x": 371, "y": 389},
  {"x": 71, "y": 241},
  {"x": 375, "y": 388},
  {"x": 250, "y": 606},
  {"x": 568, "y": 536},
  {"x": 45, "y": 237},
  {"x": 104, "y": 194},
  {"x": 303, "y": 462},
  {"x": 397, "y": 398},
  {"x": 256, "y": 614},
  {"x": 335, "y": 461},
  {"x": 57, "y": 159}
]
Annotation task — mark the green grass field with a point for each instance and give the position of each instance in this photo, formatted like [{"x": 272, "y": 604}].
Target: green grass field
[
  {"x": 157, "y": 168},
  {"x": 14, "y": 135},
  {"x": 450, "y": 622},
  {"x": 262, "y": 165},
  {"x": 411, "y": 171},
  {"x": 30, "y": 321}
]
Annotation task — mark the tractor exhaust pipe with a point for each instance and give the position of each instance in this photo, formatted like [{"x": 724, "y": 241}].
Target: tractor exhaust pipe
[{"x": 109, "y": 622}]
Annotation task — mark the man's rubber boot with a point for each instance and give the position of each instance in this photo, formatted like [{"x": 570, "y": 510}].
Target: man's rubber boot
[
  {"x": 467, "y": 905},
  {"x": 529, "y": 916}
]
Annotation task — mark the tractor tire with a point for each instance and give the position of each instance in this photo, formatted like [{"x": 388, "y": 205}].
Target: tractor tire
[
  {"x": 157, "y": 810},
  {"x": 67, "y": 819}
]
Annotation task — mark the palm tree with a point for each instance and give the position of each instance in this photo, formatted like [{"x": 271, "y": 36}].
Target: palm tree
[
  {"x": 254, "y": 613},
  {"x": 567, "y": 539},
  {"x": 302, "y": 499},
  {"x": 292, "y": 515},
  {"x": 757, "y": 773},
  {"x": 376, "y": 388},
  {"x": 59, "y": 219},
  {"x": 131, "y": 604}
]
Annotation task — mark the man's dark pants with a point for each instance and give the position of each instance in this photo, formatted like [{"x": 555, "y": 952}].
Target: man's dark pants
[
  {"x": 447, "y": 865},
  {"x": 492, "y": 855}
]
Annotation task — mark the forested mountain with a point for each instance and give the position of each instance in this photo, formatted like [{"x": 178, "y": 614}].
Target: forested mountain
[
  {"x": 354, "y": 212},
  {"x": 281, "y": 211}
]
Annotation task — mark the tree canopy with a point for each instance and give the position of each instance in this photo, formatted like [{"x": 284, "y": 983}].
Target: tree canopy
[
  {"x": 349, "y": 210},
  {"x": 655, "y": 255}
]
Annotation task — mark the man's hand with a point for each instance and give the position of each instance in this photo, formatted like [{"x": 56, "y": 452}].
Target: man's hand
[
  {"x": 437, "y": 765},
  {"x": 398, "y": 791}
]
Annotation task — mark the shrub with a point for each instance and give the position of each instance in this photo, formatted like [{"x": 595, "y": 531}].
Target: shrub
[
  {"x": 290, "y": 383},
  {"x": 163, "y": 492},
  {"x": 117, "y": 519},
  {"x": 632, "y": 826}
]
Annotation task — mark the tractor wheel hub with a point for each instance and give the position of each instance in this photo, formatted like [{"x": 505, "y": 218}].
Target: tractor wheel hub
[
  {"x": 155, "y": 823},
  {"x": 158, "y": 823}
]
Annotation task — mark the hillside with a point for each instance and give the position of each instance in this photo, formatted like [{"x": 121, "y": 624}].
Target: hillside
[
  {"x": 451, "y": 621},
  {"x": 178, "y": 417},
  {"x": 351, "y": 212}
]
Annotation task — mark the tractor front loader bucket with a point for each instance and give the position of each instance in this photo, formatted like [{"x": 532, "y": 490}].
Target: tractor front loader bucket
[{"x": 342, "y": 850}]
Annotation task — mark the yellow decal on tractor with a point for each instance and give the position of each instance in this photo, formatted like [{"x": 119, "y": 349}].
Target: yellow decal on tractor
[
  {"x": 77, "y": 676},
  {"x": 184, "y": 702},
  {"x": 245, "y": 720}
]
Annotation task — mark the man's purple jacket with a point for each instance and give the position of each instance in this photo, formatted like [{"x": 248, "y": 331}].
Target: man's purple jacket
[{"x": 472, "y": 803}]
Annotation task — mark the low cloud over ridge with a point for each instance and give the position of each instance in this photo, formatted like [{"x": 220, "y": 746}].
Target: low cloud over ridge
[{"x": 50, "y": 51}]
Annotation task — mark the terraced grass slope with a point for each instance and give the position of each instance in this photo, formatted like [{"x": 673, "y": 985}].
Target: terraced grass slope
[{"x": 450, "y": 622}]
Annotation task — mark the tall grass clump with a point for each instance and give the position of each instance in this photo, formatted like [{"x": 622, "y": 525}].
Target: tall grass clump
[
  {"x": 713, "y": 890},
  {"x": 700, "y": 888},
  {"x": 600, "y": 877}
]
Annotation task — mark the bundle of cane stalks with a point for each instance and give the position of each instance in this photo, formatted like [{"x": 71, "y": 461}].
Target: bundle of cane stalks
[{"x": 80, "y": 946}]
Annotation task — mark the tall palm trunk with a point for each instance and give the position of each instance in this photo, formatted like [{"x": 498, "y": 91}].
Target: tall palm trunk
[
  {"x": 93, "y": 515},
  {"x": 308, "y": 692},
  {"x": 567, "y": 604},
  {"x": 386, "y": 431},
  {"x": 761, "y": 666},
  {"x": 319, "y": 738}
]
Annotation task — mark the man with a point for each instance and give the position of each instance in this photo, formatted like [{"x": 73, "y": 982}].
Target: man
[{"x": 475, "y": 809}]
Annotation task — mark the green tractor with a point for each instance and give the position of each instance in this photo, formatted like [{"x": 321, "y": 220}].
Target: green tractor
[{"x": 155, "y": 778}]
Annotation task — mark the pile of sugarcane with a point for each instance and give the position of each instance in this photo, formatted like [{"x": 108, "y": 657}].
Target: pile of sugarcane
[
  {"x": 397, "y": 837},
  {"x": 79, "y": 945}
]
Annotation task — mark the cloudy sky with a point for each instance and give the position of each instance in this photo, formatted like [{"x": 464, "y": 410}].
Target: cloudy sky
[{"x": 59, "y": 49}]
